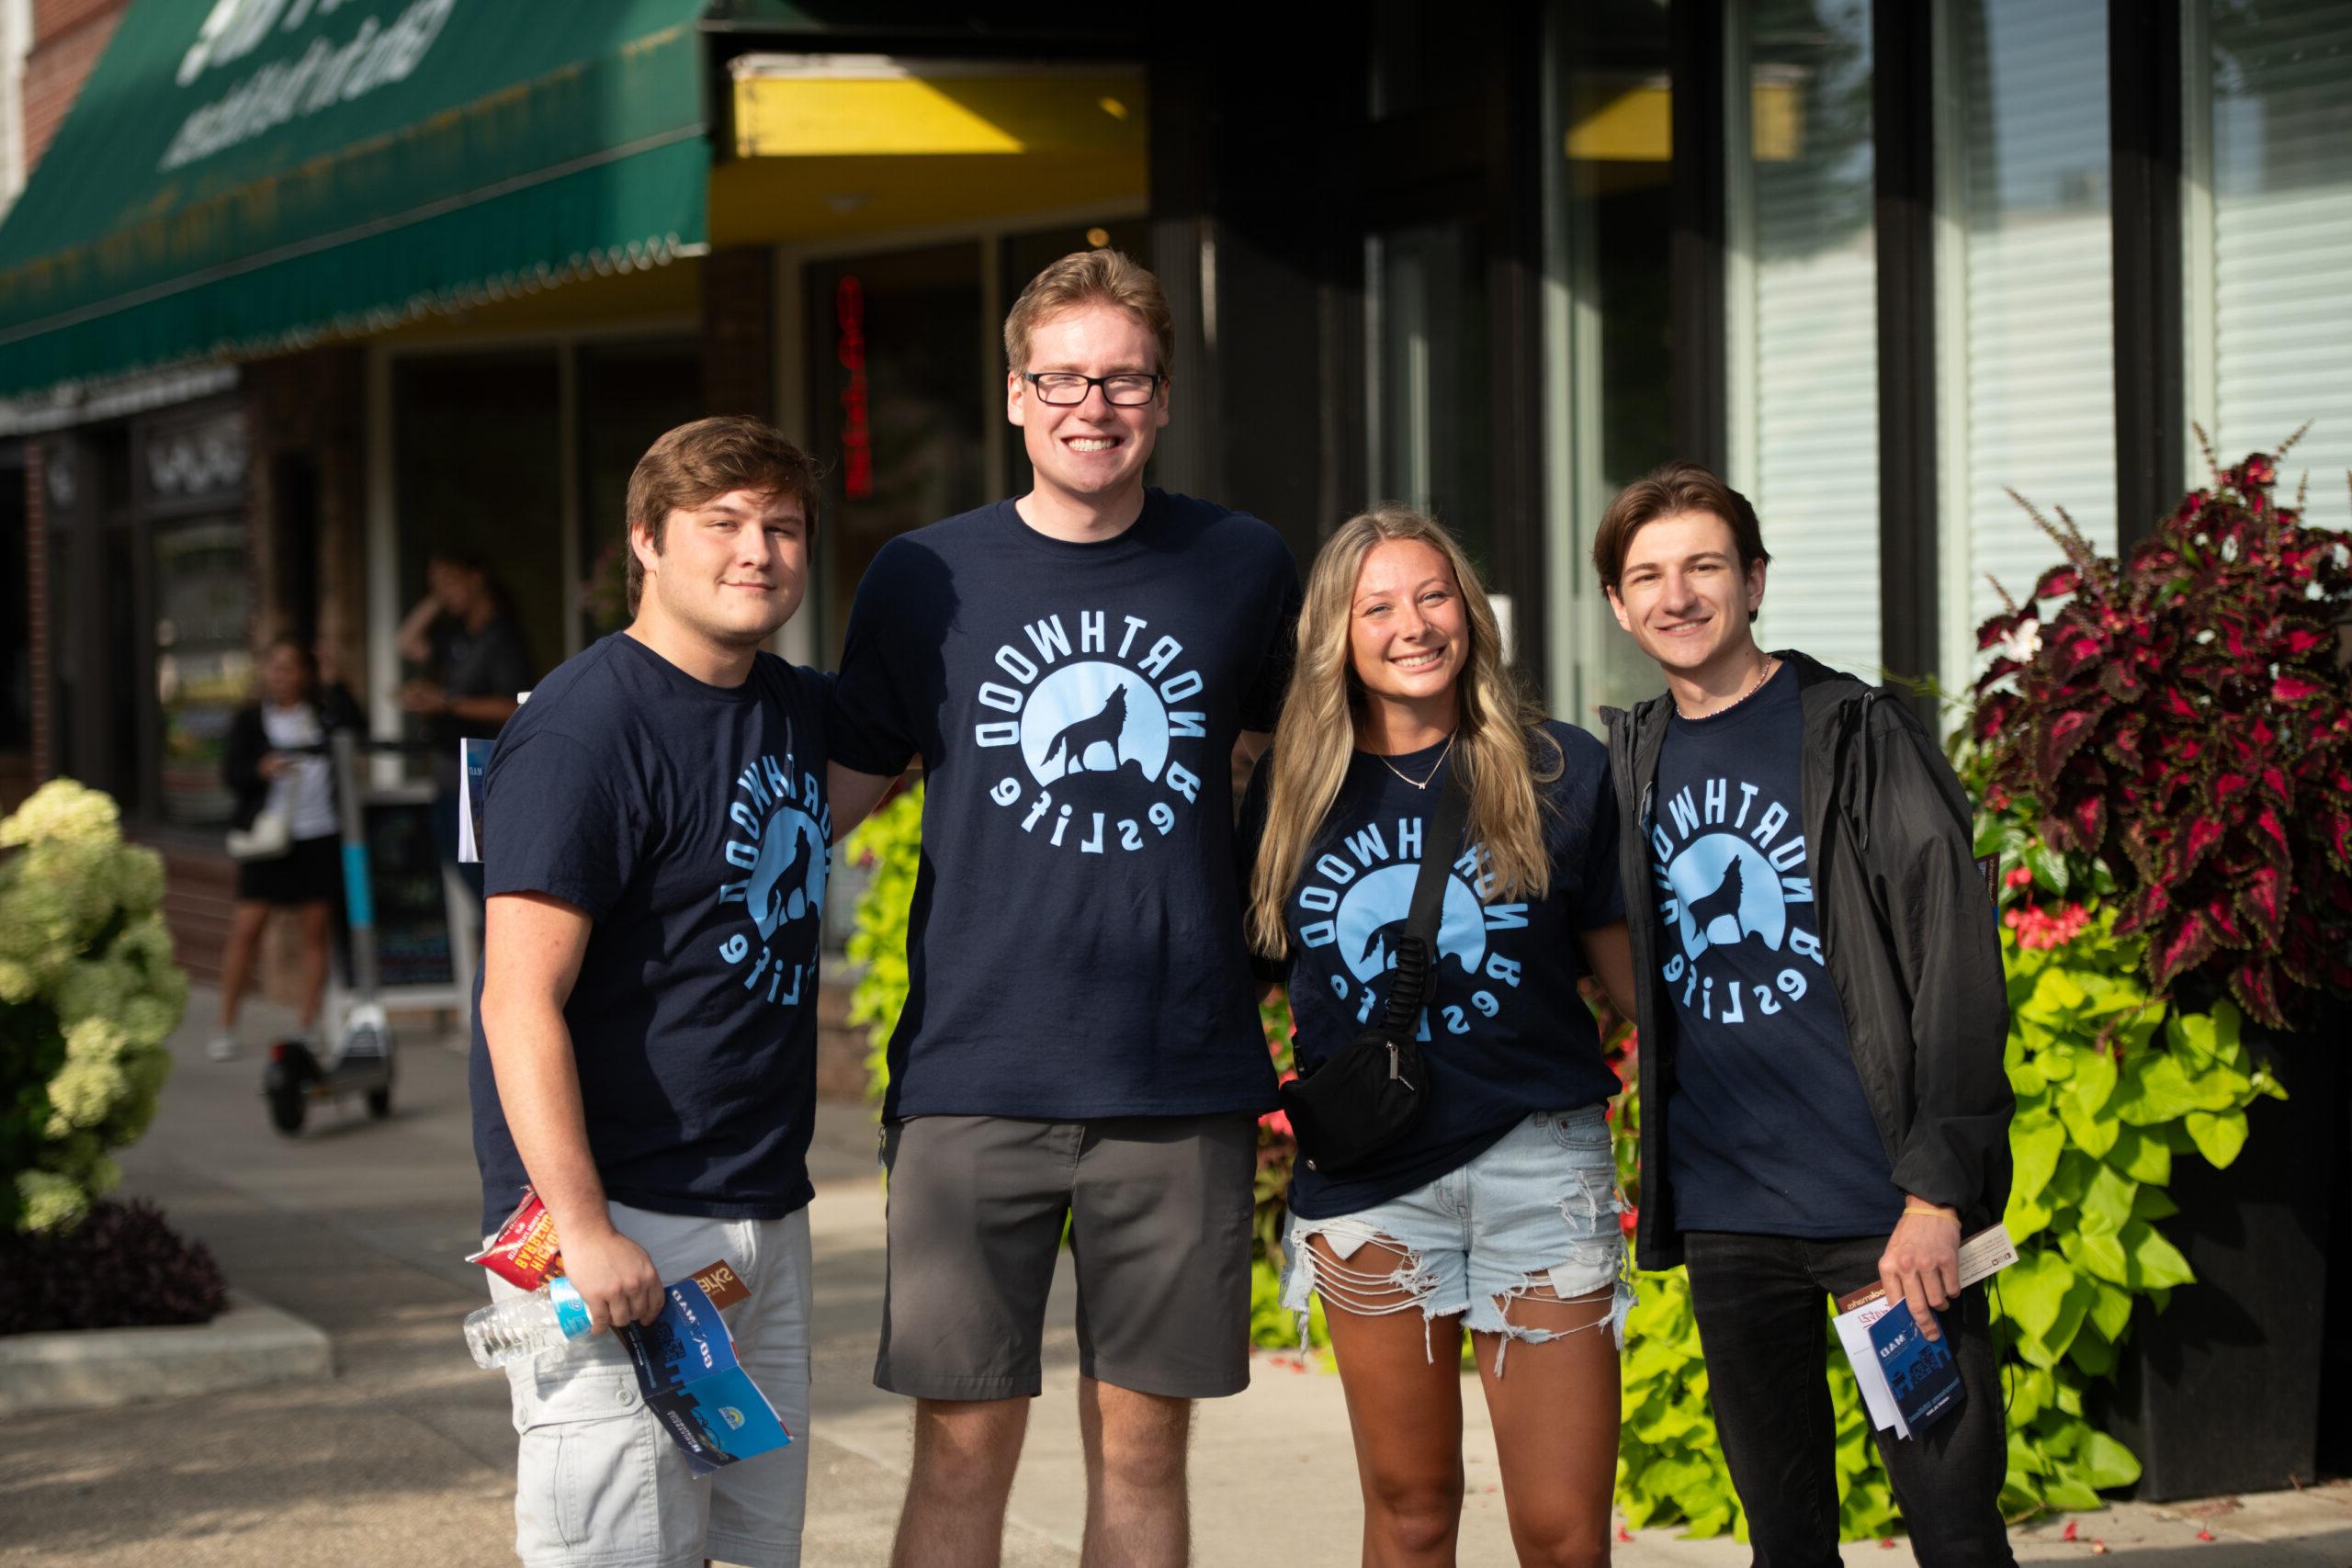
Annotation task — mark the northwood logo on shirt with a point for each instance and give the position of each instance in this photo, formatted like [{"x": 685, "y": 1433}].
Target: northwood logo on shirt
[
  {"x": 1357, "y": 903},
  {"x": 1727, "y": 877},
  {"x": 1095, "y": 725},
  {"x": 781, "y": 830}
]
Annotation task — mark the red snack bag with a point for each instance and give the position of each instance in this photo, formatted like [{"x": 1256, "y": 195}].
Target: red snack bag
[{"x": 524, "y": 1251}]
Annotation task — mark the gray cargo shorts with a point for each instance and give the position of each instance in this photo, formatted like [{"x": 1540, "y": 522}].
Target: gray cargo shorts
[{"x": 1158, "y": 1210}]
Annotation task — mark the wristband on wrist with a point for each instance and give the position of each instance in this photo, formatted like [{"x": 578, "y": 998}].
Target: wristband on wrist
[{"x": 1923, "y": 1209}]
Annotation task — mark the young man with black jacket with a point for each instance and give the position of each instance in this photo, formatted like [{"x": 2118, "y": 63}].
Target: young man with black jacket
[{"x": 1822, "y": 1019}]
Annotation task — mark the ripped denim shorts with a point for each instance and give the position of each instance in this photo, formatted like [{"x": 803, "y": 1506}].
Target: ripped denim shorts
[{"x": 1537, "y": 1212}]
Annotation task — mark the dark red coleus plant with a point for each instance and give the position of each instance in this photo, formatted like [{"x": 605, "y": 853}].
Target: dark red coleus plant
[{"x": 2182, "y": 715}]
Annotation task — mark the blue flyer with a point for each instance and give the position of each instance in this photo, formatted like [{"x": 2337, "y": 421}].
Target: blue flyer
[
  {"x": 687, "y": 1370},
  {"x": 1920, "y": 1371}
]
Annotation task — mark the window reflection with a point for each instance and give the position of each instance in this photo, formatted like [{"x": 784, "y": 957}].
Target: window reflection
[
  {"x": 1427, "y": 418},
  {"x": 1802, "y": 319},
  {"x": 2269, "y": 259},
  {"x": 2027, "y": 278},
  {"x": 1608, "y": 356}
]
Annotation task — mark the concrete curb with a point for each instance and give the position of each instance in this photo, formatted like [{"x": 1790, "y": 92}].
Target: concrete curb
[{"x": 250, "y": 1343}]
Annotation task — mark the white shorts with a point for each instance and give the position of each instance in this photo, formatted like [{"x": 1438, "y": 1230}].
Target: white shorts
[{"x": 598, "y": 1485}]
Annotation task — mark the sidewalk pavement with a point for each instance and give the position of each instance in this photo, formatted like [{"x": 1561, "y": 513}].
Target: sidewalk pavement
[{"x": 405, "y": 1458}]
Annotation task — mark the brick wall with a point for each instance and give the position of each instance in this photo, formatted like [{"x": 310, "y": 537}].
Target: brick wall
[{"x": 68, "y": 38}]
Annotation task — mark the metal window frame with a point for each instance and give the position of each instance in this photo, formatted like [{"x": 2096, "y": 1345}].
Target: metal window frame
[
  {"x": 2146, "y": 144},
  {"x": 1903, "y": 127}
]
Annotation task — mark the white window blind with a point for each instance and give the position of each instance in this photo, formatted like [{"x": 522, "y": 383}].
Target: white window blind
[
  {"x": 2027, "y": 353},
  {"x": 1803, "y": 314},
  {"x": 2277, "y": 262}
]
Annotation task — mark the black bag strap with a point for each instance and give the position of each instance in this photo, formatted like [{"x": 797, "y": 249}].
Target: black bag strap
[{"x": 1416, "y": 949}]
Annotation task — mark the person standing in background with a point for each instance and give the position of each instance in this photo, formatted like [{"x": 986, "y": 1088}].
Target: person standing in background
[
  {"x": 463, "y": 632},
  {"x": 272, "y": 763}
]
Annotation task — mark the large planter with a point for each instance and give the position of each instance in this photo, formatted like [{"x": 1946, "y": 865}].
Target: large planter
[{"x": 2221, "y": 1392}]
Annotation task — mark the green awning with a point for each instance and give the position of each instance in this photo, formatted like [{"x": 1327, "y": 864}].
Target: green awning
[{"x": 251, "y": 175}]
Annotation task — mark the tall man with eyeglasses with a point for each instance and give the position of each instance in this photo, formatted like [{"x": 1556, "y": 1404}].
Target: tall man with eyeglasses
[{"x": 1080, "y": 1043}]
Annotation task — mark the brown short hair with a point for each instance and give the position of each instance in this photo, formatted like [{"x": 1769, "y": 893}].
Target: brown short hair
[
  {"x": 1089, "y": 277},
  {"x": 699, "y": 462},
  {"x": 1668, "y": 488}
]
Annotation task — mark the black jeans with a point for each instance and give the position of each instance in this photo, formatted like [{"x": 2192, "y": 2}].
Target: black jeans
[{"x": 1766, "y": 1334}]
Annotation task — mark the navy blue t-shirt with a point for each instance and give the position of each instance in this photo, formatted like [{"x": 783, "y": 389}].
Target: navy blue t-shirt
[
  {"x": 1768, "y": 1131},
  {"x": 1505, "y": 1030},
  {"x": 689, "y": 821},
  {"x": 1074, "y": 947}
]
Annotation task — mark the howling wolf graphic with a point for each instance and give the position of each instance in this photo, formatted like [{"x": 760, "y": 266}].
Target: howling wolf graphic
[
  {"x": 1722, "y": 902},
  {"x": 775, "y": 885},
  {"x": 1104, "y": 729},
  {"x": 1383, "y": 940}
]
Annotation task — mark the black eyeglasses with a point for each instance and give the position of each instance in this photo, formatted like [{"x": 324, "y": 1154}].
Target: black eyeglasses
[{"x": 1067, "y": 388}]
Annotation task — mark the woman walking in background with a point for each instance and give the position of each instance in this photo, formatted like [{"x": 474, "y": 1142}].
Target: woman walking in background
[
  {"x": 285, "y": 790},
  {"x": 1496, "y": 1210}
]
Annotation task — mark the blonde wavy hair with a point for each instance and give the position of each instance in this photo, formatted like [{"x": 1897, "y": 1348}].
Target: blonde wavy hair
[{"x": 1499, "y": 748}]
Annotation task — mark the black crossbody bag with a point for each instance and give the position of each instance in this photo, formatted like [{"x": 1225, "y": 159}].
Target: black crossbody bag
[{"x": 1367, "y": 1094}]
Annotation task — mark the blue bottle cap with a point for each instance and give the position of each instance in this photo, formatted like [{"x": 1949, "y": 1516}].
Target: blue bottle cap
[{"x": 570, "y": 1312}]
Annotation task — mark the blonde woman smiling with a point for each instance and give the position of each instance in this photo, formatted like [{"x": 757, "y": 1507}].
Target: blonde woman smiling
[{"x": 1495, "y": 1211}]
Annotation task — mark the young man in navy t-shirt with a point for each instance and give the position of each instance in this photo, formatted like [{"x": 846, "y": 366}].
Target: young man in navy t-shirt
[
  {"x": 1074, "y": 669},
  {"x": 1822, "y": 1019},
  {"x": 644, "y": 1049}
]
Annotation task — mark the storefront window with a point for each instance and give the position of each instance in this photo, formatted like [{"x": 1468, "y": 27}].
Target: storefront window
[
  {"x": 1609, "y": 361},
  {"x": 475, "y": 438},
  {"x": 628, "y": 394},
  {"x": 2026, "y": 280},
  {"x": 199, "y": 594},
  {"x": 906, "y": 389},
  {"x": 2268, "y": 225},
  {"x": 203, "y": 662},
  {"x": 1800, "y": 272}
]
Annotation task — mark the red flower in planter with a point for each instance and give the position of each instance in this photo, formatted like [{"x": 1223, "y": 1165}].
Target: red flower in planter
[
  {"x": 2179, "y": 716},
  {"x": 2039, "y": 928}
]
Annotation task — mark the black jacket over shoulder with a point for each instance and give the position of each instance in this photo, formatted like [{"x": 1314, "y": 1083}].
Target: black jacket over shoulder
[{"x": 1908, "y": 934}]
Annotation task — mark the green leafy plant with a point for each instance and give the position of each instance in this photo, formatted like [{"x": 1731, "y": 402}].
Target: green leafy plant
[
  {"x": 88, "y": 994},
  {"x": 2113, "y": 1084},
  {"x": 1271, "y": 1327},
  {"x": 888, "y": 845}
]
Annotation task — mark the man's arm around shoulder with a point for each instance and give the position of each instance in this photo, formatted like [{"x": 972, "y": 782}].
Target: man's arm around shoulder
[{"x": 532, "y": 949}]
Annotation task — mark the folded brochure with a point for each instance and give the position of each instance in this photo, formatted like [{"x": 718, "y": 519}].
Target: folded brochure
[
  {"x": 473, "y": 774},
  {"x": 1919, "y": 1372},
  {"x": 687, "y": 1370},
  {"x": 1981, "y": 1255}
]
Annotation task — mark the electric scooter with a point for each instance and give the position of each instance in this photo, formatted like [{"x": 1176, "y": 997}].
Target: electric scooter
[{"x": 361, "y": 1061}]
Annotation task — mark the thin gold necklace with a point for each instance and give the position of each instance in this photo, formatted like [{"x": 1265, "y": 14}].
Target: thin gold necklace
[
  {"x": 1420, "y": 783},
  {"x": 1763, "y": 673}
]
